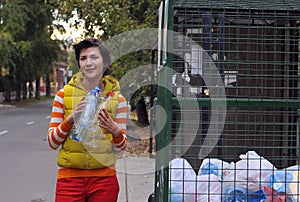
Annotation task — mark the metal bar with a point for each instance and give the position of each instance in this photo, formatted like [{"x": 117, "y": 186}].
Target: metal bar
[
  {"x": 152, "y": 103},
  {"x": 164, "y": 81},
  {"x": 239, "y": 102}
]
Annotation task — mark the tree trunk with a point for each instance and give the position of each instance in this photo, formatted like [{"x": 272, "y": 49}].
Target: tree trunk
[
  {"x": 2, "y": 89},
  {"x": 8, "y": 88},
  {"x": 48, "y": 86},
  {"x": 7, "y": 96},
  {"x": 142, "y": 114},
  {"x": 18, "y": 91},
  {"x": 30, "y": 88},
  {"x": 37, "y": 88},
  {"x": 25, "y": 90}
]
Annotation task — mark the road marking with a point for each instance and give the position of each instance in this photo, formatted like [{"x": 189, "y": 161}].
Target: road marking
[
  {"x": 3, "y": 132},
  {"x": 48, "y": 117},
  {"x": 30, "y": 123}
]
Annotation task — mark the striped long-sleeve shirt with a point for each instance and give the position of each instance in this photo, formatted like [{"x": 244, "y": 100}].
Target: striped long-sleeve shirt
[{"x": 59, "y": 128}]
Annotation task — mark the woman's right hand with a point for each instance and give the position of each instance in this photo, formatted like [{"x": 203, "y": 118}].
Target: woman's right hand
[{"x": 77, "y": 111}]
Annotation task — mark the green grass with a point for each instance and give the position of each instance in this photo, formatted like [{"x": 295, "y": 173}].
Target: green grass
[{"x": 28, "y": 101}]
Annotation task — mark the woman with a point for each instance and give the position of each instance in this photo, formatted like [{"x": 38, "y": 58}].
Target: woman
[{"x": 84, "y": 175}]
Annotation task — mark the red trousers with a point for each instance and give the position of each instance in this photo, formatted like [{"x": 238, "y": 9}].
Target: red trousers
[{"x": 87, "y": 189}]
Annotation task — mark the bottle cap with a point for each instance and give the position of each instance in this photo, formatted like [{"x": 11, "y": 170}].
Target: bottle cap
[{"x": 96, "y": 91}]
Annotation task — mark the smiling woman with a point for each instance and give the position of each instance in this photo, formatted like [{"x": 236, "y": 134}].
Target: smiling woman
[
  {"x": 92, "y": 174},
  {"x": 91, "y": 65}
]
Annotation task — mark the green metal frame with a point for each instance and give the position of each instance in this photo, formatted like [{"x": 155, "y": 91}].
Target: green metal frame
[
  {"x": 164, "y": 83},
  {"x": 250, "y": 105}
]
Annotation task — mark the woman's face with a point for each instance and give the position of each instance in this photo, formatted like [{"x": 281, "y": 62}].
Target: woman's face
[{"x": 91, "y": 63}]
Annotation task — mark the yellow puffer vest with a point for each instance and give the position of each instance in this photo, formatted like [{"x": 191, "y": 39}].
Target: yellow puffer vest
[{"x": 74, "y": 154}]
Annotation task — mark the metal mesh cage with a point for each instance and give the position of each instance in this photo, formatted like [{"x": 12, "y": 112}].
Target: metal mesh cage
[{"x": 231, "y": 101}]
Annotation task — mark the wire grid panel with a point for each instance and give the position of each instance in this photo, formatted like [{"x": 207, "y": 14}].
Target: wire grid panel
[{"x": 254, "y": 45}]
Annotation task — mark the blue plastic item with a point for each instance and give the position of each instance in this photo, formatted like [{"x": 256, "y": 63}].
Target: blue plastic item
[
  {"x": 235, "y": 194},
  {"x": 209, "y": 168},
  {"x": 280, "y": 181},
  {"x": 240, "y": 194},
  {"x": 258, "y": 196}
]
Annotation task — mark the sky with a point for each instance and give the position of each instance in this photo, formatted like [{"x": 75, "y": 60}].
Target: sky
[{"x": 71, "y": 32}]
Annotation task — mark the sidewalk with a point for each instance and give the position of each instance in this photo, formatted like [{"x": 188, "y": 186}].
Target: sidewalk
[
  {"x": 6, "y": 106},
  {"x": 136, "y": 178}
]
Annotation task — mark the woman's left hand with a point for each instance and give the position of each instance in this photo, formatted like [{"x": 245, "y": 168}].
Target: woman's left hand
[{"x": 107, "y": 123}]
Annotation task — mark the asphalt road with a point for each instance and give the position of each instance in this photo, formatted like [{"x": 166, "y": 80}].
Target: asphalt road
[{"x": 28, "y": 166}]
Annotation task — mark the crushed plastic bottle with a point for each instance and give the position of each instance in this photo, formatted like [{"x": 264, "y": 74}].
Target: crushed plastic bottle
[
  {"x": 87, "y": 116},
  {"x": 91, "y": 142}
]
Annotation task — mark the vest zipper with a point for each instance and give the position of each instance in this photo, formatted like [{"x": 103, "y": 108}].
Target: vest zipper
[{"x": 86, "y": 160}]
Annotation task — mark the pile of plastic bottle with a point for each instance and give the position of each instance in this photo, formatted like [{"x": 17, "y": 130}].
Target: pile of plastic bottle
[
  {"x": 251, "y": 179},
  {"x": 85, "y": 121},
  {"x": 86, "y": 130}
]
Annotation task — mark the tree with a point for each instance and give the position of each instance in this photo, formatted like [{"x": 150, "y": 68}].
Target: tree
[
  {"x": 107, "y": 18},
  {"x": 44, "y": 50},
  {"x": 28, "y": 25},
  {"x": 13, "y": 17},
  {"x": 22, "y": 60},
  {"x": 6, "y": 55}
]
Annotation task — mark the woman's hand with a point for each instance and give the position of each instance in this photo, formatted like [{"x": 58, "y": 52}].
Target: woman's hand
[
  {"x": 107, "y": 123},
  {"x": 75, "y": 113}
]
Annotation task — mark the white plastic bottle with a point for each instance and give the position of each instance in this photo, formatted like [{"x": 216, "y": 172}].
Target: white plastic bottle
[{"x": 87, "y": 116}]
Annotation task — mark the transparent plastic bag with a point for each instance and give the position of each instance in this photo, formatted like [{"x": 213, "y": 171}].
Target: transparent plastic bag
[
  {"x": 280, "y": 181},
  {"x": 251, "y": 172},
  {"x": 209, "y": 188},
  {"x": 240, "y": 194},
  {"x": 294, "y": 186},
  {"x": 182, "y": 181},
  {"x": 213, "y": 166}
]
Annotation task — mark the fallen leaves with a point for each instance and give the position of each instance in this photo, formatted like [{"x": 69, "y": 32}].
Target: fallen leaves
[{"x": 138, "y": 141}]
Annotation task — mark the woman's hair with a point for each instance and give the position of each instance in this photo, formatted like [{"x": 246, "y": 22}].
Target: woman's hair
[{"x": 93, "y": 42}]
